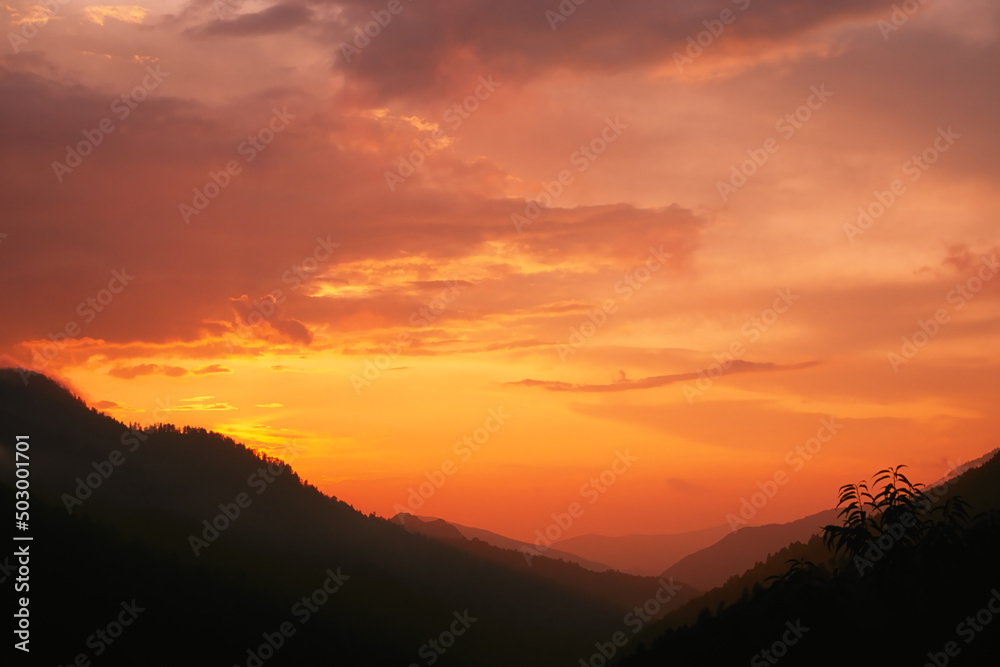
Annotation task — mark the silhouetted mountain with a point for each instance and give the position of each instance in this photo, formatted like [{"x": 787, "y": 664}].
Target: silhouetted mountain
[
  {"x": 626, "y": 590},
  {"x": 961, "y": 468},
  {"x": 214, "y": 550},
  {"x": 748, "y": 549},
  {"x": 642, "y": 554},
  {"x": 739, "y": 585},
  {"x": 439, "y": 529},
  {"x": 428, "y": 526},
  {"x": 740, "y": 550},
  {"x": 222, "y": 545},
  {"x": 979, "y": 485},
  {"x": 915, "y": 581}
]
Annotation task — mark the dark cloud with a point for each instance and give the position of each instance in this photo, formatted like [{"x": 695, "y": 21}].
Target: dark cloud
[
  {"x": 276, "y": 19},
  {"x": 432, "y": 44},
  {"x": 264, "y": 316},
  {"x": 293, "y": 330}
]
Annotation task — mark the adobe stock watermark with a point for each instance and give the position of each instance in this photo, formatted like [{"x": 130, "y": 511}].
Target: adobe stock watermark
[
  {"x": 419, "y": 319},
  {"x": 259, "y": 482},
  {"x": 753, "y": 328},
  {"x": 299, "y": 273},
  {"x": 29, "y": 25},
  {"x": 22, "y": 617},
  {"x": 591, "y": 491},
  {"x": 103, "y": 638},
  {"x": 894, "y": 532},
  {"x": 464, "y": 449},
  {"x": 796, "y": 459},
  {"x": 87, "y": 309},
  {"x": 432, "y": 651},
  {"x": 302, "y": 610},
  {"x": 122, "y": 106},
  {"x": 302, "y": 271},
  {"x": 249, "y": 148},
  {"x": 935, "y": 494},
  {"x": 704, "y": 39},
  {"x": 130, "y": 440},
  {"x": 880, "y": 546},
  {"x": 786, "y": 126},
  {"x": 581, "y": 159},
  {"x": 458, "y": 113},
  {"x": 968, "y": 629},
  {"x": 958, "y": 297},
  {"x": 901, "y": 13},
  {"x": 779, "y": 649},
  {"x": 630, "y": 283},
  {"x": 7, "y": 569},
  {"x": 635, "y": 620},
  {"x": 562, "y": 12},
  {"x": 364, "y": 34},
  {"x": 915, "y": 167},
  {"x": 224, "y": 8}
]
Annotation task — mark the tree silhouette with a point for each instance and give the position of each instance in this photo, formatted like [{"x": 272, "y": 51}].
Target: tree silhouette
[{"x": 893, "y": 521}]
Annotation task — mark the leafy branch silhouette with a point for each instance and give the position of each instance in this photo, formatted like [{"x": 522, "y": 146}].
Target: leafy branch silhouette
[{"x": 893, "y": 518}]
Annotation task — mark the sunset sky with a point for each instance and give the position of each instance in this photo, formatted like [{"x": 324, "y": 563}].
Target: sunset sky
[{"x": 557, "y": 238}]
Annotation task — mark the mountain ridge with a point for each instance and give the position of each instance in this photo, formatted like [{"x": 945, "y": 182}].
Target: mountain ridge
[
  {"x": 422, "y": 523},
  {"x": 199, "y": 502},
  {"x": 643, "y": 554}
]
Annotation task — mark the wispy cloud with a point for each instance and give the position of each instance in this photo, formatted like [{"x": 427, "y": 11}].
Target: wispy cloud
[{"x": 625, "y": 384}]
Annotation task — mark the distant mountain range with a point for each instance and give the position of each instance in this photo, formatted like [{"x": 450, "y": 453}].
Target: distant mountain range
[
  {"x": 917, "y": 597},
  {"x": 703, "y": 559},
  {"x": 616, "y": 587},
  {"x": 642, "y": 554},
  {"x": 740, "y": 550},
  {"x": 222, "y": 547},
  {"x": 962, "y": 467},
  {"x": 441, "y": 529}
]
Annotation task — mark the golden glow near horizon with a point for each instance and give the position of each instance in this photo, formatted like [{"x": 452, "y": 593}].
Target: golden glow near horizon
[
  {"x": 126, "y": 13},
  {"x": 461, "y": 280}
]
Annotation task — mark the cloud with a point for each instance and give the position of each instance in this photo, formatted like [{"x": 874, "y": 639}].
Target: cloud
[
  {"x": 7, "y": 361},
  {"x": 966, "y": 262},
  {"x": 201, "y": 403},
  {"x": 624, "y": 384},
  {"x": 211, "y": 368},
  {"x": 682, "y": 485},
  {"x": 261, "y": 317},
  {"x": 611, "y": 233},
  {"x": 293, "y": 330},
  {"x": 277, "y": 19},
  {"x": 126, "y": 13},
  {"x": 202, "y": 407},
  {"x": 131, "y": 372},
  {"x": 433, "y": 45}
]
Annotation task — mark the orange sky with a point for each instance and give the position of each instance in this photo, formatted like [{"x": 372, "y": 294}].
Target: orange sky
[{"x": 499, "y": 251}]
